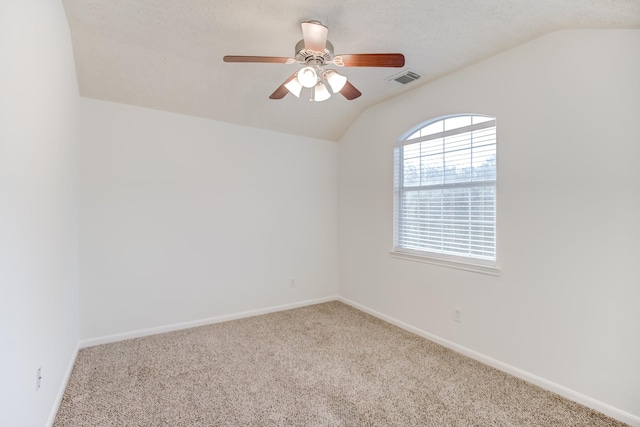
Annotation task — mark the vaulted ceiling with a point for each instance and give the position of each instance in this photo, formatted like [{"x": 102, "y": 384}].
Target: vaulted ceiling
[{"x": 167, "y": 54}]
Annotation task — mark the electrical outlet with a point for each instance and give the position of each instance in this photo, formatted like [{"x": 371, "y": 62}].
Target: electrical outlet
[
  {"x": 457, "y": 314},
  {"x": 292, "y": 282},
  {"x": 38, "y": 378}
]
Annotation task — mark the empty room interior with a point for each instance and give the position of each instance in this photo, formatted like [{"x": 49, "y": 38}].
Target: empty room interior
[{"x": 159, "y": 172}]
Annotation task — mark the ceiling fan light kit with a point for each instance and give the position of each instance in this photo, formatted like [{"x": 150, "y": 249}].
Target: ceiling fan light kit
[
  {"x": 321, "y": 93},
  {"x": 294, "y": 87},
  {"x": 308, "y": 77},
  {"x": 335, "y": 79},
  {"x": 315, "y": 52}
]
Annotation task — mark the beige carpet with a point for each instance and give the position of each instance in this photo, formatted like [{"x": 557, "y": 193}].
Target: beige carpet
[{"x": 322, "y": 365}]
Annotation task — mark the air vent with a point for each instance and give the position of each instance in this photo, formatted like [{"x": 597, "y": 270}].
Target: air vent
[{"x": 404, "y": 77}]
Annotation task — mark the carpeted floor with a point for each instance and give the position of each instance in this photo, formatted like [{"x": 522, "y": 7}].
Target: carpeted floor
[{"x": 322, "y": 365}]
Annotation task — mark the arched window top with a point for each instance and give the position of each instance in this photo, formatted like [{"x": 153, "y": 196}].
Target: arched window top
[{"x": 450, "y": 124}]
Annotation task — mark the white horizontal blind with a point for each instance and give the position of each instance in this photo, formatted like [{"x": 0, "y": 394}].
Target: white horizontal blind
[{"x": 445, "y": 187}]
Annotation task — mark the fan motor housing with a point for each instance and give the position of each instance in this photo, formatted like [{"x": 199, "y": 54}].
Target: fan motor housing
[{"x": 304, "y": 56}]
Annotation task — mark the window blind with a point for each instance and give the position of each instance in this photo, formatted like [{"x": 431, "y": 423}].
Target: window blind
[{"x": 445, "y": 189}]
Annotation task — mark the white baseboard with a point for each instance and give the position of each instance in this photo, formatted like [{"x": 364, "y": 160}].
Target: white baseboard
[
  {"x": 587, "y": 401},
  {"x": 194, "y": 323},
  {"x": 63, "y": 387}
]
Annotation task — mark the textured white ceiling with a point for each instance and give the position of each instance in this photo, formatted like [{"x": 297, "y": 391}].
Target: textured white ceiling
[{"x": 167, "y": 54}]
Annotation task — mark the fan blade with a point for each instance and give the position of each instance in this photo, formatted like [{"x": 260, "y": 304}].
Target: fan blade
[
  {"x": 373, "y": 60},
  {"x": 315, "y": 36},
  {"x": 267, "y": 59},
  {"x": 282, "y": 91},
  {"x": 349, "y": 91}
]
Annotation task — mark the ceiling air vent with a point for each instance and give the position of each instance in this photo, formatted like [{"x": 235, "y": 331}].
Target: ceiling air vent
[{"x": 404, "y": 77}]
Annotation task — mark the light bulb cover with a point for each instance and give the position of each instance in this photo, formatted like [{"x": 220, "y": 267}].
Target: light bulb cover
[
  {"x": 321, "y": 93},
  {"x": 294, "y": 87},
  {"x": 308, "y": 77},
  {"x": 335, "y": 79}
]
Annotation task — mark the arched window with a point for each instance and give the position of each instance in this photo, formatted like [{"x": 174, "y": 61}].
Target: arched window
[{"x": 445, "y": 190}]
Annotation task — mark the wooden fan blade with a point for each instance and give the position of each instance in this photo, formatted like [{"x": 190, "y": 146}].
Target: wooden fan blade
[
  {"x": 350, "y": 92},
  {"x": 282, "y": 91},
  {"x": 266, "y": 59},
  {"x": 373, "y": 60}
]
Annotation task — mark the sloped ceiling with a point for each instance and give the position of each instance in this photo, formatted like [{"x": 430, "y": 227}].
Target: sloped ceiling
[{"x": 167, "y": 54}]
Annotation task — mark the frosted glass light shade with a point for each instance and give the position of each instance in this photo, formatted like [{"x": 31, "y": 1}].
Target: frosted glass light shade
[
  {"x": 321, "y": 93},
  {"x": 294, "y": 87},
  {"x": 336, "y": 80},
  {"x": 307, "y": 77}
]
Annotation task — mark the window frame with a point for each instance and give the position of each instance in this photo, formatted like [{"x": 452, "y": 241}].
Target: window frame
[{"x": 458, "y": 261}]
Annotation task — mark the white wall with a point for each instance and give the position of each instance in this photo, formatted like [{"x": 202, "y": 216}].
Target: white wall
[
  {"x": 184, "y": 219},
  {"x": 38, "y": 209},
  {"x": 565, "y": 306}
]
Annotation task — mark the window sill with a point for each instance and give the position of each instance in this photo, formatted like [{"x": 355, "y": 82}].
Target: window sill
[{"x": 450, "y": 263}]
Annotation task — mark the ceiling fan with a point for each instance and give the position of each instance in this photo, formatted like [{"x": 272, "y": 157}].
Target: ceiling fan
[{"x": 315, "y": 53}]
